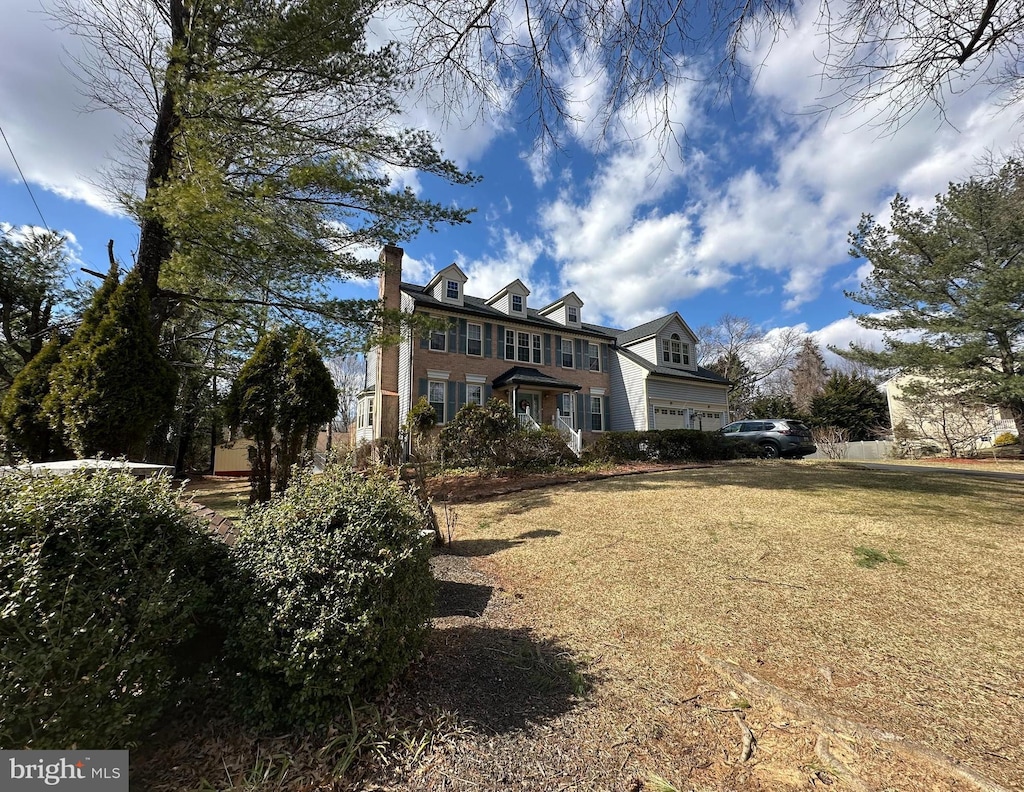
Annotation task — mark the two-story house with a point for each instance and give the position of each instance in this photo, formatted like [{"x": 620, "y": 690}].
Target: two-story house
[{"x": 546, "y": 362}]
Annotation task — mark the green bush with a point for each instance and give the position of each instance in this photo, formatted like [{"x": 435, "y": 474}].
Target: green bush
[
  {"x": 665, "y": 445},
  {"x": 338, "y": 593},
  {"x": 479, "y": 435},
  {"x": 1006, "y": 438},
  {"x": 108, "y": 590}
]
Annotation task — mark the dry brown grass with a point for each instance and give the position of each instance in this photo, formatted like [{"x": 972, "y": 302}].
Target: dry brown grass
[
  {"x": 756, "y": 565},
  {"x": 226, "y": 495}
]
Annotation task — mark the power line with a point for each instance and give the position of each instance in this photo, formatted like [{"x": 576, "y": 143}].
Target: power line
[{"x": 24, "y": 180}]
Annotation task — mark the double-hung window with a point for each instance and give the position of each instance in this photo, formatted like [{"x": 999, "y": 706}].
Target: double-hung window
[
  {"x": 523, "y": 347},
  {"x": 573, "y": 314},
  {"x": 439, "y": 340},
  {"x": 435, "y": 395},
  {"x": 510, "y": 345},
  {"x": 474, "y": 394},
  {"x": 567, "y": 361},
  {"x": 536, "y": 349},
  {"x": 593, "y": 357},
  {"x": 517, "y": 303},
  {"x": 597, "y": 413},
  {"x": 474, "y": 342},
  {"x": 451, "y": 290}
]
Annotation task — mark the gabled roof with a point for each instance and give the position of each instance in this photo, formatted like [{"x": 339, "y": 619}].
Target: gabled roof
[
  {"x": 516, "y": 287},
  {"x": 447, "y": 272},
  {"x": 651, "y": 328},
  {"x": 701, "y": 374},
  {"x": 572, "y": 298},
  {"x": 477, "y": 307}
]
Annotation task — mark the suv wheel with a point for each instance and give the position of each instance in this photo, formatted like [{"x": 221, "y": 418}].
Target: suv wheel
[{"x": 771, "y": 451}]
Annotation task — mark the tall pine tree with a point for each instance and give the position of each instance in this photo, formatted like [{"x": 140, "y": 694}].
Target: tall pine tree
[{"x": 809, "y": 375}]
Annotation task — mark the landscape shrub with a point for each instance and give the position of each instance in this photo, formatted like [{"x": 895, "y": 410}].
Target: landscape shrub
[
  {"x": 537, "y": 450},
  {"x": 667, "y": 445},
  {"x": 479, "y": 435},
  {"x": 108, "y": 592},
  {"x": 1006, "y": 438},
  {"x": 335, "y": 597}
]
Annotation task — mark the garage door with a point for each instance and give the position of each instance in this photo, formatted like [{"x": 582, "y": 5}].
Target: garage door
[
  {"x": 670, "y": 418},
  {"x": 707, "y": 421}
]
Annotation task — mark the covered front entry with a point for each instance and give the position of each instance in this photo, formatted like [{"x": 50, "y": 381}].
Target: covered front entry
[
  {"x": 530, "y": 404},
  {"x": 538, "y": 398}
]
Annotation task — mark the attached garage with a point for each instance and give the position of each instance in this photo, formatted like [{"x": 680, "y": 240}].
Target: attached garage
[{"x": 670, "y": 417}]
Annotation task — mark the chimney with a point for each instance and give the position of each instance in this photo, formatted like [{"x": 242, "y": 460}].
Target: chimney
[
  {"x": 391, "y": 277},
  {"x": 386, "y": 386}
]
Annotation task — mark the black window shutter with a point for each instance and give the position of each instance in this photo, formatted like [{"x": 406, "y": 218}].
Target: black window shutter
[
  {"x": 488, "y": 393},
  {"x": 547, "y": 349},
  {"x": 462, "y": 337},
  {"x": 453, "y": 338},
  {"x": 487, "y": 339},
  {"x": 579, "y": 354},
  {"x": 604, "y": 357},
  {"x": 558, "y": 349},
  {"x": 450, "y": 411},
  {"x": 501, "y": 342},
  {"x": 580, "y": 418},
  {"x": 422, "y": 387},
  {"x": 606, "y": 403}
]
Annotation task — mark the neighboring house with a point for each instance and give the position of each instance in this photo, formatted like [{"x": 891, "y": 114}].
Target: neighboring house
[
  {"x": 549, "y": 364},
  {"x": 942, "y": 418}
]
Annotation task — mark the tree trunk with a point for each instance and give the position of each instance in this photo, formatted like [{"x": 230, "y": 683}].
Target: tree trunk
[{"x": 155, "y": 242}]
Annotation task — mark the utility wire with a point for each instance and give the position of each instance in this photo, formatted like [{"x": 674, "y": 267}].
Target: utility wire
[{"x": 24, "y": 180}]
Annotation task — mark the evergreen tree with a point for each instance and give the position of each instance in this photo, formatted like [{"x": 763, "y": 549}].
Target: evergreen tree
[
  {"x": 310, "y": 400},
  {"x": 111, "y": 386},
  {"x": 253, "y": 405},
  {"x": 853, "y": 403},
  {"x": 809, "y": 375},
  {"x": 773, "y": 406},
  {"x": 22, "y": 421},
  {"x": 33, "y": 266},
  {"x": 952, "y": 279},
  {"x": 741, "y": 383}
]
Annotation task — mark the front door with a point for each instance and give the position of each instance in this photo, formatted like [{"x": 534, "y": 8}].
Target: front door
[{"x": 528, "y": 402}]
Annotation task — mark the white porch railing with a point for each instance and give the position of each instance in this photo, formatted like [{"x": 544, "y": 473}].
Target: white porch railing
[
  {"x": 573, "y": 437},
  {"x": 526, "y": 421}
]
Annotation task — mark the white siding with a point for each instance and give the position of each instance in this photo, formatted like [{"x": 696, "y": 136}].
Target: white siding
[
  {"x": 701, "y": 396},
  {"x": 626, "y": 394},
  {"x": 648, "y": 350},
  {"x": 371, "y": 367},
  {"x": 405, "y": 352}
]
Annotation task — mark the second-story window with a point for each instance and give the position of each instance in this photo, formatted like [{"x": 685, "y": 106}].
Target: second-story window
[
  {"x": 573, "y": 313},
  {"x": 438, "y": 340},
  {"x": 536, "y": 349},
  {"x": 567, "y": 353},
  {"x": 451, "y": 290},
  {"x": 593, "y": 357},
  {"x": 523, "y": 347},
  {"x": 474, "y": 344},
  {"x": 510, "y": 345},
  {"x": 517, "y": 303}
]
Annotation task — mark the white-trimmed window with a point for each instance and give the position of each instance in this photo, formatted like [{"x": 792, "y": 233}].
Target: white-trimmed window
[
  {"x": 572, "y": 313},
  {"x": 565, "y": 404},
  {"x": 685, "y": 348},
  {"x": 593, "y": 357},
  {"x": 527, "y": 347},
  {"x": 567, "y": 361},
  {"x": 474, "y": 339},
  {"x": 436, "y": 396},
  {"x": 517, "y": 303},
  {"x": 674, "y": 351},
  {"x": 597, "y": 413},
  {"x": 369, "y": 412},
  {"x": 474, "y": 393},
  {"x": 451, "y": 290},
  {"x": 439, "y": 340},
  {"x": 510, "y": 345}
]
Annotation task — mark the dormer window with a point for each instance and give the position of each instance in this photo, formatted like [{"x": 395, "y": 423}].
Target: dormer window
[
  {"x": 452, "y": 290},
  {"x": 573, "y": 314},
  {"x": 517, "y": 303},
  {"x": 674, "y": 351}
]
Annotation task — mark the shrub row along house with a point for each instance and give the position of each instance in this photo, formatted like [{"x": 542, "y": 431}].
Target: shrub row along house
[{"x": 549, "y": 364}]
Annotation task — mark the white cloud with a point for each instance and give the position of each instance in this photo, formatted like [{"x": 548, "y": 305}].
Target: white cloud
[{"x": 516, "y": 258}]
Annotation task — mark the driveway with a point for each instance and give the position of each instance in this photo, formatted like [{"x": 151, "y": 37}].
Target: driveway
[{"x": 990, "y": 474}]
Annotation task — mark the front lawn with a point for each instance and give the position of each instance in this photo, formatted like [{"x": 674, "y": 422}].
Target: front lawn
[{"x": 890, "y": 599}]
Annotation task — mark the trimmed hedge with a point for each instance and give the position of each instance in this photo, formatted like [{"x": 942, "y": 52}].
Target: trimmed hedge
[
  {"x": 668, "y": 445},
  {"x": 109, "y": 591},
  {"x": 335, "y": 599}
]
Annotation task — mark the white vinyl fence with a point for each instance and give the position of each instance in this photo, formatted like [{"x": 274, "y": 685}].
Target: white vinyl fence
[{"x": 865, "y": 449}]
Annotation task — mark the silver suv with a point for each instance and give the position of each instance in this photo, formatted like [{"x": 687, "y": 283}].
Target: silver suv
[{"x": 779, "y": 437}]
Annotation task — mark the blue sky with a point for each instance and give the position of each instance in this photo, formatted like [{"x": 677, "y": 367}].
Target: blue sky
[{"x": 748, "y": 216}]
